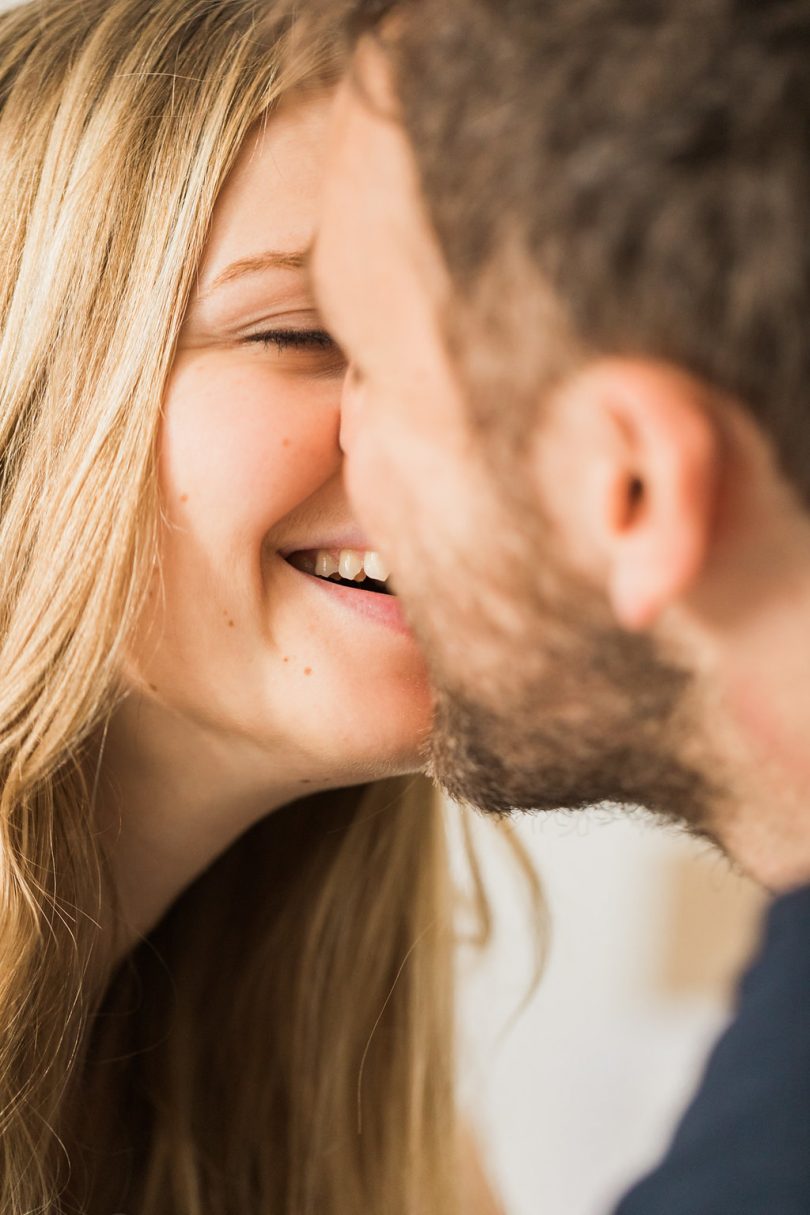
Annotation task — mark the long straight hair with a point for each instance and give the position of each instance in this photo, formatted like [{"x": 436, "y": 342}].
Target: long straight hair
[{"x": 283, "y": 1041}]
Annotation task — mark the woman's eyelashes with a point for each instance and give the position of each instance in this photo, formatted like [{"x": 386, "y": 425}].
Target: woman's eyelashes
[
  {"x": 295, "y": 339},
  {"x": 304, "y": 350}
]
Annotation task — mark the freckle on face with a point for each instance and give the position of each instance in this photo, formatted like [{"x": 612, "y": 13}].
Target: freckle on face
[
  {"x": 184, "y": 497},
  {"x": 231, "y": 624},
  {"x": 286, "y": 443},
  {"x": 307, "y": 670}
]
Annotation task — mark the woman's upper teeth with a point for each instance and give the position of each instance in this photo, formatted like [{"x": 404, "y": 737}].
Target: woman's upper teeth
[{"x": 351, "y": 565}]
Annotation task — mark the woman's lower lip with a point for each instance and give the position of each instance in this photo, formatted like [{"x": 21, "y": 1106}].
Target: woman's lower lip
[{"x": 381, "y": 609}]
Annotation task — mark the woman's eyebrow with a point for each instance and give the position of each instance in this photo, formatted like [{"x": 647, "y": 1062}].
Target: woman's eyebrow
[{"x": 271, "y": 259}]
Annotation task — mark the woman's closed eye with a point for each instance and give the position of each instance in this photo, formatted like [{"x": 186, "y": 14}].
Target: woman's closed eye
[
  {"x": 306, "y": 349},
  {"x": 297, "y": 339}
]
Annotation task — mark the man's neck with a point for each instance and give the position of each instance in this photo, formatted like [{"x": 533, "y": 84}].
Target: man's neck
[
  {"x": 758, "y": 721},
  {"x": 768, "y": 829},
  {"x": 745, "y": 627}
]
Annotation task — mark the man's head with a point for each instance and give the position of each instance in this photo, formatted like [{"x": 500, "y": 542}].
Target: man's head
[{"x": 566, "y": 246}]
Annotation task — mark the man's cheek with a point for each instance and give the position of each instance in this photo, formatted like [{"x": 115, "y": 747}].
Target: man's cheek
[
  {"x": 373, "y": 490},
  {"x": 364, "y": 487}
]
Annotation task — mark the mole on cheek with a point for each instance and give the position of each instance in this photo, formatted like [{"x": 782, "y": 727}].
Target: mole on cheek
[
  {"x": 307, "y": 670},
  {"x": 231, "y": 624}
]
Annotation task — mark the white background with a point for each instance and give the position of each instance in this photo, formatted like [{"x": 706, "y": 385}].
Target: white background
[{"x": 581, "y": 1095}]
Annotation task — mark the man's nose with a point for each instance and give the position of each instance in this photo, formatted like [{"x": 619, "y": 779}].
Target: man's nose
[{"x": 348, "y": 410}]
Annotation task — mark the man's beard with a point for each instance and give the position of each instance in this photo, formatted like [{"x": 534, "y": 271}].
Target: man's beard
[{"x": 559, "y": 708}]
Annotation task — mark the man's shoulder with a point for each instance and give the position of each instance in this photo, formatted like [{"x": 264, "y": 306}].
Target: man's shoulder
[{"x": 743, "y": 1145}]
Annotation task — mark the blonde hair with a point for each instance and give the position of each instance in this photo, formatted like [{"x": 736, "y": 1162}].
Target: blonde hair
[{"x": 282, "y": 1042}]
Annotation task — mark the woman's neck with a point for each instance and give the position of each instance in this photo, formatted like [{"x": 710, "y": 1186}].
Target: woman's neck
[{"x": 173, "y": 795}]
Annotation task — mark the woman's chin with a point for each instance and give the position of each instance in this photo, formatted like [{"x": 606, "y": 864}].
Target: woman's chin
[
  {"x": 405, "y": 758},
  {"x": 387, "y": 730}
]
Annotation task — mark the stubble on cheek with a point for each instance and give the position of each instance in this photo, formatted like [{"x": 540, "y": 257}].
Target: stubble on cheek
[{"x": 543, "y": 704}]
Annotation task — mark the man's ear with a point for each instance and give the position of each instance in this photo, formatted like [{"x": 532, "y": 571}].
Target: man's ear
[{"x": 648, "y": 464}]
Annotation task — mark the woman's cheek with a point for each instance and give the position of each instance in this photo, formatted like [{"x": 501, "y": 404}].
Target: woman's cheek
[{"x": 245, "y": 441}]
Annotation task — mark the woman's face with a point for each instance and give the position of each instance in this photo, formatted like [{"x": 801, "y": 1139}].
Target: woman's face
[{"x": 244, "y": 640}]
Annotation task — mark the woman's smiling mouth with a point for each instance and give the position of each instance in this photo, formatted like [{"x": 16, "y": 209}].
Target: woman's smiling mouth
[
  {"x": 355, "y": 579},
  {"x": 356, "y": 569}
]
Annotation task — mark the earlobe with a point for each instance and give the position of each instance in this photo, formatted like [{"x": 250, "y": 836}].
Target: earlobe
[{"x": 667, "y": 485}]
